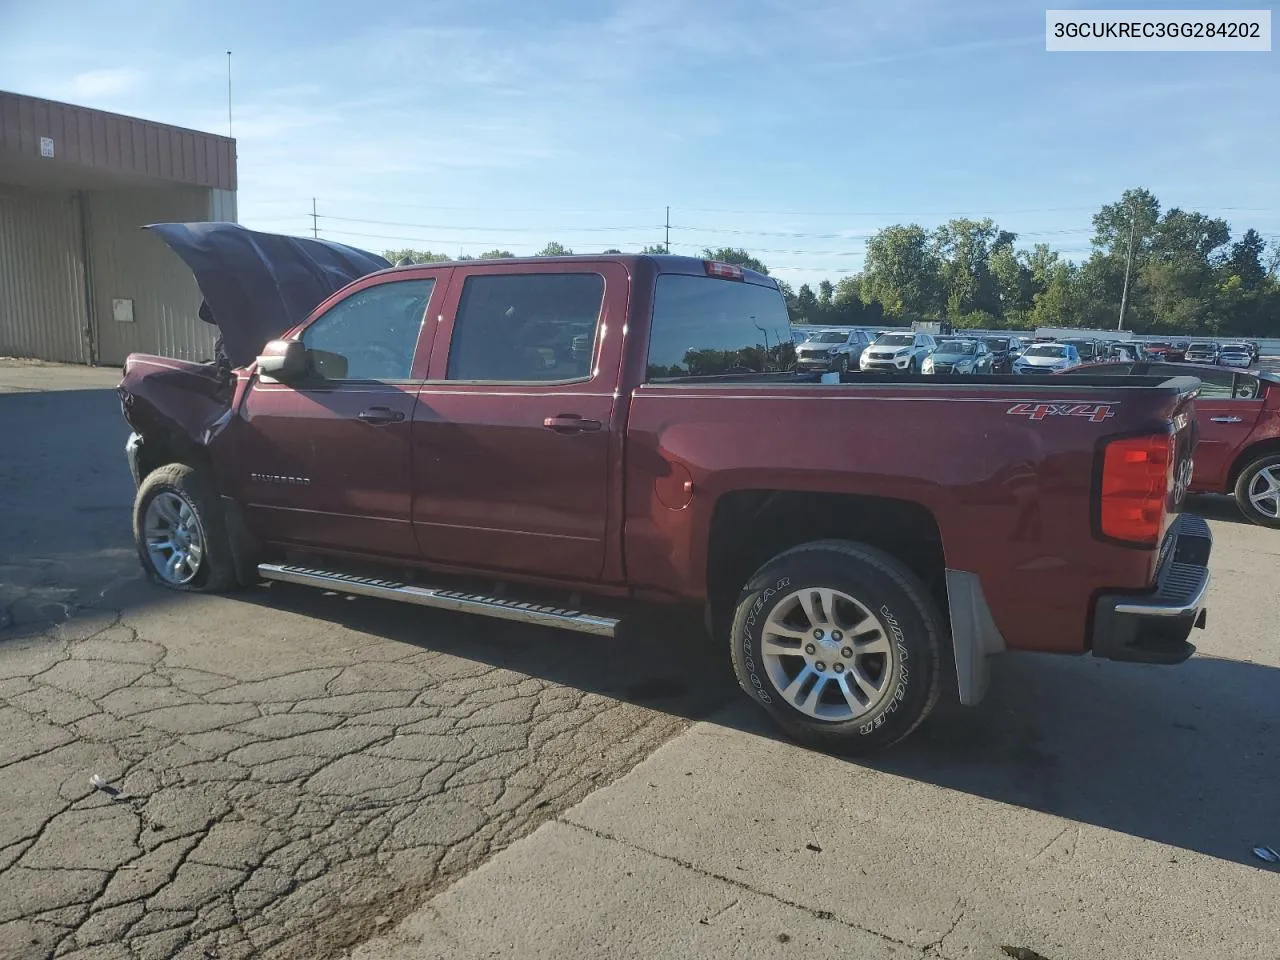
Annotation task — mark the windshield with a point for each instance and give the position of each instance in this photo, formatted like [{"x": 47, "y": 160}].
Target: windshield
[
  {"x": 958, "y": 347},
  {"x": 1240, "y": 350},
  {"x": 1204, "y": 347},
  {"x": 997, "y": 343},
  {"x": 1046, "y": 350},
  {"x": 829, "y": 336},
  {"x": 895, "y": 340}
]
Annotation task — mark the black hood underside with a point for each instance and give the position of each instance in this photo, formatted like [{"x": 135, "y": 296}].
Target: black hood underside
[{"x": 258, "y": 285}]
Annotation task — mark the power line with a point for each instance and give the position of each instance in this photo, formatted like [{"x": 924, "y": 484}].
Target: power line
[{"x": 449, "y": 226}]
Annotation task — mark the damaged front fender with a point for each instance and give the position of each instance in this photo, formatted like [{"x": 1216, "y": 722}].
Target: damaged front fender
[{"x": 176, "y": 409}]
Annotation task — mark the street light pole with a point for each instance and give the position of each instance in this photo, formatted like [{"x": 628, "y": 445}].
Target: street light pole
[{"x": 1128, "y": 265}]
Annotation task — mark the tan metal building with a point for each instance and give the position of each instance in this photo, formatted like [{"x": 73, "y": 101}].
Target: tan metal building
[{"x": 79, "y": 280}]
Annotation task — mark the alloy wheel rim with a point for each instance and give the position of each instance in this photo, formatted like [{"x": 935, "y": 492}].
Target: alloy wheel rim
[
  {"x": 828, "y": 655},
  {"x": 1264, "y": 492},
  {"x": 174, "y": 538}
]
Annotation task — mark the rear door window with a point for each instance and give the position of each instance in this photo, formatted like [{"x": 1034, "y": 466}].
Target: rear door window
[
  {"x": 1216, "y": 384},
  {"x": 703, "y": 326},
  {"x": 526, "y": 328}
]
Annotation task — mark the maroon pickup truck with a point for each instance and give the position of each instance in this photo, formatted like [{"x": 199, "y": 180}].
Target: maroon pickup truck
[{"x": 593, "y": 432}]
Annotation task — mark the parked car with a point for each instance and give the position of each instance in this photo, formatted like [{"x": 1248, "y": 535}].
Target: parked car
[
  {"x": 958, "y": 356},
  {"x": 1089, "y": 350},
  {"x": 1238, "y": 451},
  {"x": 1047, "y": 358},
  {"x": 1255, "y": 351},
  {"x": 368, "y": 452},
  {"x": 1179, "y": 351},
  {"x": 1202, "y": 351},
  {"x": 1235, "y": 355},
  {"x": 1004, "y": 350},
  {"x": 1122, "y": 351},
  {"x": 832, "y": 350},
  {"x": 1159, "y": 350},
  {"x": 900, "y": 352}
]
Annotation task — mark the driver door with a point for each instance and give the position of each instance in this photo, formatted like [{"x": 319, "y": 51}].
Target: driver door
[{"x": 326, "y": 462}]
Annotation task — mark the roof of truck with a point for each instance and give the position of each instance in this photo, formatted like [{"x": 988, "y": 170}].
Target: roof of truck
[{"x": 664, "y": 262}]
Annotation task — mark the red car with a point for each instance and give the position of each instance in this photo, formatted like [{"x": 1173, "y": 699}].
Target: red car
[
  {"x": 556, "y": 439},
  {"x": 1238, "y": 452}
]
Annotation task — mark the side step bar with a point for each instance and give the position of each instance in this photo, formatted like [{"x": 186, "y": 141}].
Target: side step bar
[{"x": 498, "y": 607}]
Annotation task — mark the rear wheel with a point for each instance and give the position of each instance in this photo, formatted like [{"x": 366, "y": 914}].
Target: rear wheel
[
  {"x": 1258, "y": 491},
  {"x": 840, "y": 643},
  {"x": 180, "y": 533}
]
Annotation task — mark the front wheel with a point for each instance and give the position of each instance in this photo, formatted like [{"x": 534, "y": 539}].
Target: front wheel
[
  {"x": 840, "y": 643},
  {"x": 180, "y": 533},
  {"x": 1258, "y": 491},
  {"x": 843, "y": 365}
]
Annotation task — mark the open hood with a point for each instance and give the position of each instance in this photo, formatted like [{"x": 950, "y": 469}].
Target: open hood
[{"x": 258, "y": 285}]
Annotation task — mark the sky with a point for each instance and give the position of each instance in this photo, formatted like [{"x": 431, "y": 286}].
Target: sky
[{"x": 793, "y": 128}]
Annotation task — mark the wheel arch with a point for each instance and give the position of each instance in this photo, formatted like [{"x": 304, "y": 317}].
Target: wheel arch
[
  {"x": 1255, "y": 451},
  {"x": 749, "y": 527}
]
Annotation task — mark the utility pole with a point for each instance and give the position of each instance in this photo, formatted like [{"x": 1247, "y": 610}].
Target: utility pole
[
  {"x": 668, "y": 242},
  {"x": 315, "y": 225},
  {"x": 1128, "y": 265},
  {"x": 228, "y": 93}
]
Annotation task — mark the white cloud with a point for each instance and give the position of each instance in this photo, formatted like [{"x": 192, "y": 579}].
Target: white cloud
[{"x": 105, "y": 83}]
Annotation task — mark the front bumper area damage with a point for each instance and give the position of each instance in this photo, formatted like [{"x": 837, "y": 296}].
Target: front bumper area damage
[{"x": 1154, "y": 627}]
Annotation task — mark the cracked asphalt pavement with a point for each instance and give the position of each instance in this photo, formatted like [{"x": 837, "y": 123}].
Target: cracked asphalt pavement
[{"x": 286, "y": 772}]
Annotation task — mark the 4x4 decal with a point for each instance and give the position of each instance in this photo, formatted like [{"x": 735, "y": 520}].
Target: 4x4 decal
[{"x": 1094, "y": 412}]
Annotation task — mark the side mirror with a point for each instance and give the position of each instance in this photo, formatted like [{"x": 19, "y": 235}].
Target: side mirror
[{"x": 284, "y": 361}]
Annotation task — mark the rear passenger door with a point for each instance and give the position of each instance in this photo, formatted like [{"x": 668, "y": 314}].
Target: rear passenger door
[{"x": 514, "y": 433}]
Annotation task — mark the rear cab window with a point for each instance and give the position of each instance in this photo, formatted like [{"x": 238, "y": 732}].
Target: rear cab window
[{"x": 706, "y": 326}]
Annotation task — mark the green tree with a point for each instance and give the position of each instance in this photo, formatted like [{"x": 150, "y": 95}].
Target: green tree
[
  {"x": 807, "y": 304},
  {"x": 1245, "y": 261},
  {"x": 497, "y": 255},
  {"x": 1057, "y": 305},
  {"x": 654, "y": 249},
  {"x": 610, "y": 252},
  {"x": 735, "y": 256},
  {"x": 964, "y": 249},
  {"x": 554, "y": 249},
  {"x": 903, "y": 273},
  {"x": 414, "y": 256}
]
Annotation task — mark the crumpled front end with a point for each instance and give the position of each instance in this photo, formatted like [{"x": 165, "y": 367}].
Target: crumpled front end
[{"x": 174, "y": 407}]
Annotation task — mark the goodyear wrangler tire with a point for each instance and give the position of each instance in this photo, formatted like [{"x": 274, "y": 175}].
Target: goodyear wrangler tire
[{"x": 841, "y": 644}]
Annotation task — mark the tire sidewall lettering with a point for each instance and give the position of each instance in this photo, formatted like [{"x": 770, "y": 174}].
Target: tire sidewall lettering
[
  {"x": 748, "y": 650},
  {"x": 759, "y": 688}
]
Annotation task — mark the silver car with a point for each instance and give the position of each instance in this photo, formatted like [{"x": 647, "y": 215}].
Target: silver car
[
  {"x": 1047, "y": 358},
  {"x": 832, "y": 350},
  {"x": 1235, "y": 355}
]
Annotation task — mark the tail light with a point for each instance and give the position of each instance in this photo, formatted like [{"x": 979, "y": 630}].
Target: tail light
[
  {"x": 725, "y": 271},
  {"x": 1137, "y": 475}
]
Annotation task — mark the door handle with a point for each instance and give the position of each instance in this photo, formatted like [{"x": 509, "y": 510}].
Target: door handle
[
  {"x": 380, "y": 415},
  {"x": 1225, "y": 419},
  {"x": 571, "y": 423}
]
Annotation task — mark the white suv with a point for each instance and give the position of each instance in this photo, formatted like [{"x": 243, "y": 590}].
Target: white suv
[{"x": 903, "y": 352}]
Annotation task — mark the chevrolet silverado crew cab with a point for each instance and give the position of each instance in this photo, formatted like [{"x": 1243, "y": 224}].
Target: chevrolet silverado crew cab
[{"x": 422, "y": 433}]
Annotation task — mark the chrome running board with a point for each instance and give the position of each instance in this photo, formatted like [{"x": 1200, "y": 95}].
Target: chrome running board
[{"x": 499, "y": 607}]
